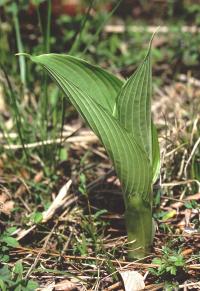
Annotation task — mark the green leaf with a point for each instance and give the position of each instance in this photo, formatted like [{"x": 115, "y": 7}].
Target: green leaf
[
  {"x": 37, "y": 217},
  {"x": 155, "y": 153},
  {"x": 18, "y": 268},
  {"x": 63, "y": 154},
  {"x": 2, "y": 285},
  {"x": 32, "y": 285},
  {"x": 102, "y": 86},
  {"x": 157, "y": 261},
  {"x": 121, "y": 117},
  {"x": 130, "y": 161},
  {"x": 4, "y": 273},
  {"x": 134, "y": 105},
  {"x": 10, "y": 230},
  {"x": 10, "y": 241},
  {"x": 169, "y": 215}
]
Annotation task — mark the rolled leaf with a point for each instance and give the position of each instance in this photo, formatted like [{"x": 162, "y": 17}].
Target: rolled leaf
[{"x": 134, "y": 106}]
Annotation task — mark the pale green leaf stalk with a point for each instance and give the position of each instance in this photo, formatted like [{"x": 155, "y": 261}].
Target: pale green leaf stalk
[{"x": 119, "y": 113}]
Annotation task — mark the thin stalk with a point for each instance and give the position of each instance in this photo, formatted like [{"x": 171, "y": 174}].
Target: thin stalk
[
  {"x": 16, "y": 110},
  {"x": 48, "y": 29},
  {"x": 77, "y": 40},
  {"x": 62, "y": 126},
  {"x": 39, "y": 20},
  {"x": 45, "y": 29},
  {"x": 46, "y": 50},
  {"x": 139, "y": 225},
  {"x": 22, "y": 64},
  {"x": 102, "y": 25}
]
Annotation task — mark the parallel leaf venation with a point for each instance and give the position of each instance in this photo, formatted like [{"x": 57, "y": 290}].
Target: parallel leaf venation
[
  {"x": 127, "y": 157},
  {"x": 133, "y": 105},
  {"x": 88, "y": 77}
]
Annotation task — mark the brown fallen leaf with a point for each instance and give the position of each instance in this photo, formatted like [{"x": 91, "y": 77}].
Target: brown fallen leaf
[
  {"x": 20, "y": 191},
  {"x": 66, "y": 285},
  {"x": 6, "y": 205},
  {"x": 24, "y": 173},
  {"x": 38, "y": 177},
  {"x": 188, "y": 198},
  {"x": 186, "y": 252},
  {"x": 3, "y": 197}
]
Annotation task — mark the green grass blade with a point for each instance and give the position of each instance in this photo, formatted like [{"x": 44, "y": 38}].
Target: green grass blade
[
  {"x": 22, "y": 64},
  {"x": 79, "y": 33},
  {"x": 100, "y": 28}
]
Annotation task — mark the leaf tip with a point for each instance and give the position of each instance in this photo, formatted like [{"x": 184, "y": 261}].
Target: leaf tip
[
  {"x": 151, "y": 40},
  {"x": 30, "y": 57},
  {"x": 23, "y": 54}
]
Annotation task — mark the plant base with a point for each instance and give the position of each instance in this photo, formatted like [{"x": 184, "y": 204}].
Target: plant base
[{"x": 140, "y": 228}]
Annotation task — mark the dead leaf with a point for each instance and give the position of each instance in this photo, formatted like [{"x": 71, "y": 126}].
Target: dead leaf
[
  {"x": 3, "y": 197},
  {"x": 186, "y": 252},
  {"x": 133, "y": 281},
  {"x": 188, "y": 198},
  {"x": 20, "y": 191},
  {"x": 24, "y": 174},
  {"x": 6, "y": 205},
  {"x": 48, "y": 287},
  {"x": 38, "y": 177},
  {"x": 65, "y": 285}
]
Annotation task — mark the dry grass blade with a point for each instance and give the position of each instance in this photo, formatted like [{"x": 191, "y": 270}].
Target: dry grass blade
[
  {"x": 39, "y": 254},
  {"x": 177, "y": 183},
  {"x": 59, "y": 201},
  {"x": 66, "y": 285},
  {"x": 74, "y": 139},
  {"x": 191, "y": 155},
  {"x": 115, "y": 262},
  {"x": 149, "y": 29},
  {"x": 114, "y": 286}
]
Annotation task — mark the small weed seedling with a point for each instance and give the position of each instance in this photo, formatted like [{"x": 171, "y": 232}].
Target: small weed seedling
[
  {"x": 171, "y": 265},
  {"x": 120, "y": 115},
  {"x": 12, "y": 279},
  {"x": 7, "y": 241}
]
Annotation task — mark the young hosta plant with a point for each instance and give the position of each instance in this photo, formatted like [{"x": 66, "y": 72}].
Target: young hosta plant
[{"x": 119, "y": 113}]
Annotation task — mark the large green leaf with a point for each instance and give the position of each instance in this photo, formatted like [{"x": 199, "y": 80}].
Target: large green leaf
[
  {"x": 134, "y": 105},
  {"x": 130, "y": 161},
  {"x": 102, "y": 86}
]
